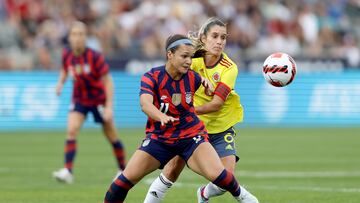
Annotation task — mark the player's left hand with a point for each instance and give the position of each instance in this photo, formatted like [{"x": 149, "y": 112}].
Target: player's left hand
[{"x": 108, "y": 114}]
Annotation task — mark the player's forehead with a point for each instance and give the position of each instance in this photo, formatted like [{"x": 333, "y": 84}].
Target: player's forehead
[
  {"x": 185, "y": 49},
  {"x": 78, "y": 28},
  {"x": 217, "y": 29}
]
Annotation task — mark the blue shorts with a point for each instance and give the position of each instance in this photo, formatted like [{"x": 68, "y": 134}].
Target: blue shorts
[
  {"x": 95, "y": 110},
  {"x": 165, "y": 152},
  {"x": 224, "y": 143}
]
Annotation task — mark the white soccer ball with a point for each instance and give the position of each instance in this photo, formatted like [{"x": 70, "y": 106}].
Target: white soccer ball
[{"x": 279, "y": 69}]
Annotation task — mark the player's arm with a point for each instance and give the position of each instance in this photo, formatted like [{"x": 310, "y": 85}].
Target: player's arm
[
  {"x": 214, "y": 105},
  {"x": 147, "y": 106},
  {"x": 109, "y": 89},
  {"x": 221, "y": 92},
  {"x": 109, "y": 93},
  {"x": 61, "y": 81}
]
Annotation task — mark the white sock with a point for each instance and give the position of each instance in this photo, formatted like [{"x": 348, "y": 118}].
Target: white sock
[
  {"x": 158, "y": 189},
  {"x": 211, "y": 190}
]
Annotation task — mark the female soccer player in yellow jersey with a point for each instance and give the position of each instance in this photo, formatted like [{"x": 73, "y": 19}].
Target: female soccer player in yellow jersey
[{"x": 219, "y": 111}]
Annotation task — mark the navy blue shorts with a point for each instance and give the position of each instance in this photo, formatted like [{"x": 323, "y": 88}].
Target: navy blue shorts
[
  {"x": 97, "y": 111},
  {"x": 165, "y": 152},
  {"x": 224, "y": 143}
]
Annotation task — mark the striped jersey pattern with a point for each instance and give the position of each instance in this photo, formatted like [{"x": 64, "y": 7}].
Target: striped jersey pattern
[
  {"x": 86, "y": 71},
  {"x": 175, "y": 98}
]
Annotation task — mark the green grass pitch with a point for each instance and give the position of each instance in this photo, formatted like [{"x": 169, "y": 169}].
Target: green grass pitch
[{"x": 278, "y": 165}]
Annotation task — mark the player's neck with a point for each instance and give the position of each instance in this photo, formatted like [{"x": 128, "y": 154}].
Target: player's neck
[
  {"x": 211, "y": 60},
  {"x": 78, "y": 52},
  {"x": 173, "y": 73}
]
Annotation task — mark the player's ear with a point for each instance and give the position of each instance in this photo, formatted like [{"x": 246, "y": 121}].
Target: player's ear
[
  {"x": 169, "y": 54},
  {"x": 202, "y": 38}
]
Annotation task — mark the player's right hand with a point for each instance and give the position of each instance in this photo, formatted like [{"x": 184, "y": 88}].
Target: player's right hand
[
  {"x": 58, "y": 89},
  {"x": 209, "y": 88},
  {"x": 165, "y": 119}
]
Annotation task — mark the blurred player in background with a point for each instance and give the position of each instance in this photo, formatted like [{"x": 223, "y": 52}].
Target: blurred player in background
[
  {"x": 93, "y": 93},
  {"x": 219, "y": 112},
  {"x": 173, "y": 128}
]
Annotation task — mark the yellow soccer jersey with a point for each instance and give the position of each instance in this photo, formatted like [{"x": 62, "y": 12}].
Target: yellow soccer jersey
[{"x": 225, "y": 71}]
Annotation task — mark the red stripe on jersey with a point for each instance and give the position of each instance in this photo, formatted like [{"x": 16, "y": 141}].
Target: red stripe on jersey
[
  {"x": 222, "y": 90},
  {"x": 191, "y": 132},
  {"x": 68, "y": 64},
  {"x": 183, "y": 99},
  {"x": 164, "y": 81},
  {"x": 147, "y": 89},
  {"x": 173, "y": 85},
  {"x": 84, "y": 89},
  {"x": 156, "y": 76},
  {"x": 65, "y": 54},
  {"x": 192, "y": 81},
  {"x": 99, "y": 61},
  {"x": 147, "y": 81},
  {"x": 89, "y": 56},
  {"x": 224, "y": 64},
  {"x": 226, "y": 61}
]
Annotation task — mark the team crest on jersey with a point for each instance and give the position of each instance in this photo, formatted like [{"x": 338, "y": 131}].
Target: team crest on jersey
[
  {"x": 216, "y": 77},
  {"x": 77, "y": 69},
  {"x": 87, "y": 68},
  {"x": 176, "y": 99},
  {"x": 188, "y": 97}
]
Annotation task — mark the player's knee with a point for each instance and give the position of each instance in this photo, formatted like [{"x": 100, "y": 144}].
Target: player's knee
[{"x": 72, "y": 132}]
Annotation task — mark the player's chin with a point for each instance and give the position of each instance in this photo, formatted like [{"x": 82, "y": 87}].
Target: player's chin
[
  {"x": 217, "y": 51},
  {"x": 184, "y": 69}
]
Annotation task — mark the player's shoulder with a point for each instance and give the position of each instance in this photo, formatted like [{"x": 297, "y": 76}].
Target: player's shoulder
[
  {"x": 93, "y": 52},
  {"x": 155, "y": 71},
  {"x": 66, "y": 50},
  {"x": 226, "y": 62}
]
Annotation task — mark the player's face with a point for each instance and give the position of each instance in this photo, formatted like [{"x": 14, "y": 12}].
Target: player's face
[
  {"x": 181, "y": 58},
  {"x": 77, "y": 37},
  {"x": 215, "y": 40}
]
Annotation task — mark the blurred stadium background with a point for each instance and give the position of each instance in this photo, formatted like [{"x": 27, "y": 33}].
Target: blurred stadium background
[{"x": 297, "y": 144}]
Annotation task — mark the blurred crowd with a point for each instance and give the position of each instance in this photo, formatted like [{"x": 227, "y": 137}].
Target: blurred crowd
[{"x": 33, "y": 32}]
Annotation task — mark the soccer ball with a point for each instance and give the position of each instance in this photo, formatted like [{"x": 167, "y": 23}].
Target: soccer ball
[{"x": 279, "y": 69}]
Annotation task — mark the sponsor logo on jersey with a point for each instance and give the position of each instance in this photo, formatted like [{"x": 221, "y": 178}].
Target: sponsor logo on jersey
[{"x": 163, "y": 97}]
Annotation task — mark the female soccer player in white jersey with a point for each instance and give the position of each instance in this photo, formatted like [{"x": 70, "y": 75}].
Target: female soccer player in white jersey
[{"x": 219, "y": 112}]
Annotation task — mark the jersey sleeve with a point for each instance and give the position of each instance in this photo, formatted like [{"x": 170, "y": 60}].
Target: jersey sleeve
[
  {"x": 229, "y": 76},
  {"x": 101, "y": 67},
  {"x": 197, "y": 77},
  {"x": 147, "y": 84},
  {"x": 65, "y": 54},
  {"x": 227, "y": 82}
]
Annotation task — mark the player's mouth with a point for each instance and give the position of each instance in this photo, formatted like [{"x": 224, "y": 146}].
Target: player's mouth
[{"x": 217, "y": 48}]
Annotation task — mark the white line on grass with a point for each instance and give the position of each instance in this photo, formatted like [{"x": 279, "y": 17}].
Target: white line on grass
[
  {"x": 297, "y": 174},
  {"x": 287, "y": 174}
]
